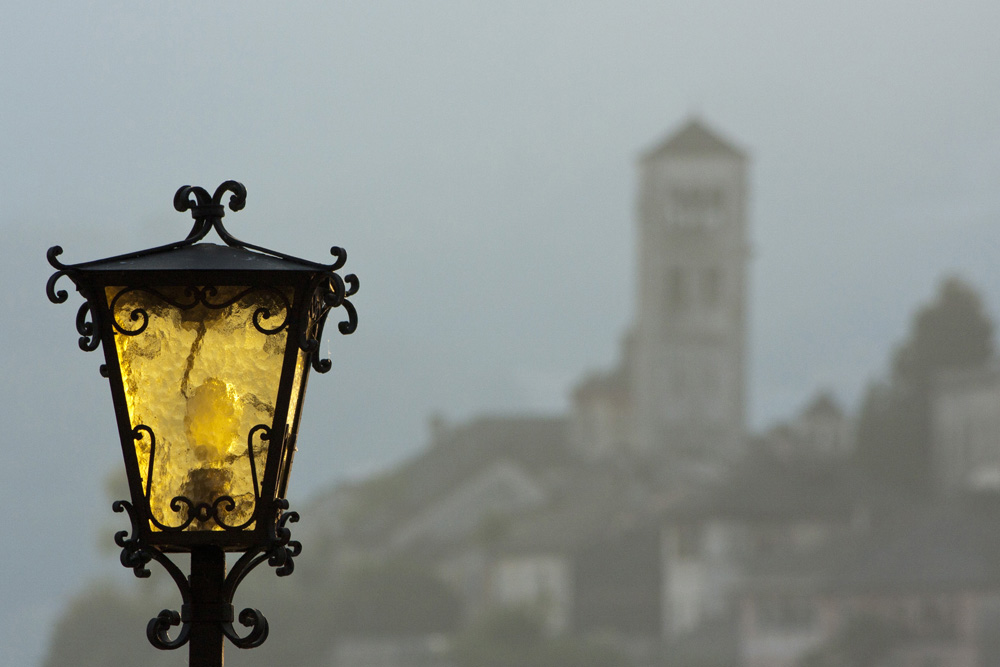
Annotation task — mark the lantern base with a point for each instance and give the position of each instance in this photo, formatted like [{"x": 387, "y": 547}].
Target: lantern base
[{"x": 207, "y": 613}]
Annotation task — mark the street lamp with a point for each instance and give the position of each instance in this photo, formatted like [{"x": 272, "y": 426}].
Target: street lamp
[{"x": 207, "y": 349}]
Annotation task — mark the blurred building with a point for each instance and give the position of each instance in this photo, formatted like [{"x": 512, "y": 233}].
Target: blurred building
[
  {"x": 966, "y": 419},
  {"x": 919, "y": 587},
  {"x": 821, "y": 431},
  {"x": 649, "y": 519},
  {"x": 678, "y": 393}
]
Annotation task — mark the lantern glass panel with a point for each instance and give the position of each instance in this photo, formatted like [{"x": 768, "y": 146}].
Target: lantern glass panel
[
  {"x": 200, "y": 368},
  {"x": 301, "y": 369}
]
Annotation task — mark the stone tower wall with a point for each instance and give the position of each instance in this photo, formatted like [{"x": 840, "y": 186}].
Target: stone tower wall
[{"x": 687, "y": 365}]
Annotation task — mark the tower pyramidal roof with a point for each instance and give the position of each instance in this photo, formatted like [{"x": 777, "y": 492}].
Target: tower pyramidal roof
[{"x": 694, "y": 138}]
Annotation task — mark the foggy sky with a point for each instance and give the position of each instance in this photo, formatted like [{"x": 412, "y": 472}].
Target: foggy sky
[{"x": 477, "y": 160}]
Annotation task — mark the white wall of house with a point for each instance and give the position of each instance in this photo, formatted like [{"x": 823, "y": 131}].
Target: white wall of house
[
  {"x": 966, "y": 426},
  {"x": 600, "y": 424},
  {"x": 777, "y": 630},
  {"x": 700, "y": 574},
  {"x": 542, "y": 581},
  {"x": 687, "y": 365}
]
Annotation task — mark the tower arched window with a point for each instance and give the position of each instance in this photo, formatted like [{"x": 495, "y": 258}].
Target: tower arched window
[{"x": 698, "y": 206}]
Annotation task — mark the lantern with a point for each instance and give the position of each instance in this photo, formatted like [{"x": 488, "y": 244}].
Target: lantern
[{"x": 207, "y": 351}]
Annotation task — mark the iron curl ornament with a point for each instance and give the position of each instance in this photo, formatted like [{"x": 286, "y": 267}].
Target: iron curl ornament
[
  {"x": 278, "y": 551},
  {"x": 207, "y": 351}
]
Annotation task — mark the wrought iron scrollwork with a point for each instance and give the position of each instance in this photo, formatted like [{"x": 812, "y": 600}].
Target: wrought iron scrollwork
[
  {"x": 204, "y": 296},
  {"x": 137, "y": 434},
  {"x": 348, "y": 326},
  {"x": 328, "y": 291},
  {"x": 278, "y": 550},
  {"x": 284, "y": 549},
  {"x": 253, "y": 619},
  {"x": 160, "y": 625},
  {"x": 133, "y": 555},
  {"x": 86, "y": 316},
  {"x": 202, "y": 511},
  {"x": 90, "y": 340},
  {"x": 136, "y": 555},
  {"x": 59, "y": 296}
]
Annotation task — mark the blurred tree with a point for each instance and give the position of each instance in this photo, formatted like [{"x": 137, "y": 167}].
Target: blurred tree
[
  {"x": 894, "y": 426},
  {"x": 953, "y": 331},
  {"x": 106, "y": 625},
  {"x": 392, "y": 598}
]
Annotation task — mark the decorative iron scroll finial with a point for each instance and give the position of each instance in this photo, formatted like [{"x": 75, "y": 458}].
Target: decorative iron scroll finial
[
  {"x": 330, "y": 291},
  {"x": 208, "y": 211}
]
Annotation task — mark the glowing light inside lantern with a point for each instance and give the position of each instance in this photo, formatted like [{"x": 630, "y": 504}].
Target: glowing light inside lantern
[{"x": 200, "y": 378}]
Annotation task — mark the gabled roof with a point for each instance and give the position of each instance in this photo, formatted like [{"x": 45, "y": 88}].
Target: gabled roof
[
  {"x": 766, "y": 489},
  {"x": 692, "y": 139},
  {"x": 596, "y": 501},
  {"x": 532, "y": 444}
]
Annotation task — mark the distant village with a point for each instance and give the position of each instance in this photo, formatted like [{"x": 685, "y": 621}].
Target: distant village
[{"x": 648, "y": 527}]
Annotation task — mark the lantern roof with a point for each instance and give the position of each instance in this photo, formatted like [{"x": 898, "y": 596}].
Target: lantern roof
[
  {"x": 201, "y": 256},
  {"x": 193, "y": 255},
  {"x": 208, "y": 263}
]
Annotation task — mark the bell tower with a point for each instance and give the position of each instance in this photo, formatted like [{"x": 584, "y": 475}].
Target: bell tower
[{"x": 687, "y": 362}]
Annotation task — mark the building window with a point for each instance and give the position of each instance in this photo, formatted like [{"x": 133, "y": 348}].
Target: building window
[{"x": 697, "y": 206}]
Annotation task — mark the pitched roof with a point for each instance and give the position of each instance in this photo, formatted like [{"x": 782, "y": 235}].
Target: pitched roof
[
  {"x": 694, "y": 138},
  {"x": 771, "y": 489},
  {"x": 531, "y": 443},
  {"x": 592, "y": 502}
]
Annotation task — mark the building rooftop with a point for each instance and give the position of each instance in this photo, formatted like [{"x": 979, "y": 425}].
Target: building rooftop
[
  {"x": 766, "y": 488},
  {"x": 695, "y": 138}
]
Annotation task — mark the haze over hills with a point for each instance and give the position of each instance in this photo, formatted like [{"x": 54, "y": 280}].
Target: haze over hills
[
  {"x": 477, "y": 161},
  {"x": 648, "y": 526}
]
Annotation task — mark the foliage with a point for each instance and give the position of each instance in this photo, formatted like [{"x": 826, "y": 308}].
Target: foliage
[
  {"x": 951, "y": 332},
  {"x": 516, "y": 637},
  {"x": 106, "y": 623},
  {"x": 894, "y": 427},
  {"x": 392, "y": 598},
  {"x": 105, "y": 626},
  {"x": 376, "y": 494}
]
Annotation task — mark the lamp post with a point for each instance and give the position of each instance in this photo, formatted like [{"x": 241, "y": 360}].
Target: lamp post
[{"x": 207, "y": 350}]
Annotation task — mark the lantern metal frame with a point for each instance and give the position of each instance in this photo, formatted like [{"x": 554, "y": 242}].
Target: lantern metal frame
[{"x": 316, "y": 289}]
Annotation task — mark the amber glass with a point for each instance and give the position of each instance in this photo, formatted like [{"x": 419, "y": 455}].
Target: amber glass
[
  {"x": 296, "y": 396},
  {"x": 201, "y": 369}
]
